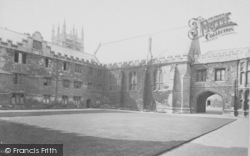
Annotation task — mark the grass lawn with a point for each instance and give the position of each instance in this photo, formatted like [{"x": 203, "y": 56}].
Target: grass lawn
[{"x": 105, "y": 132}]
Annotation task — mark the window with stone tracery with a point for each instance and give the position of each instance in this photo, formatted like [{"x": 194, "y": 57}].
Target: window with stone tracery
[
  {"x": 248, "y": 72},
  {"x": 242, "y": 72},
  {"x": 201, "y": 75},
  {"x": 220, "y": 74},
  {"x": 158, "y": 79},
  {"x": 132, "y": 81}
]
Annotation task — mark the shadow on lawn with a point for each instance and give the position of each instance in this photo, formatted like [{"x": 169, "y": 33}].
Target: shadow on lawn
[{"x": 15, "y": 133}]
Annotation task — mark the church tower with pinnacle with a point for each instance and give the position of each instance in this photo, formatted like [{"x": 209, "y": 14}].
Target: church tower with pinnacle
[{"x": 68, "y": 40}]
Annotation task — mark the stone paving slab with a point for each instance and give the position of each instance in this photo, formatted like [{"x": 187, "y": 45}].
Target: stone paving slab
[{"x": 230, "y": 140}]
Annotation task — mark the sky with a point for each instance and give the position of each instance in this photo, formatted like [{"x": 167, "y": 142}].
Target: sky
[{"x": 105, "y": 21}]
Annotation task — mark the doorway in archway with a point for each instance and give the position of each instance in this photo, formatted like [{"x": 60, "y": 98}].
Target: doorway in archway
[
  {"x": 88, "y": 103},
  {"x": 210, "y": 102}
]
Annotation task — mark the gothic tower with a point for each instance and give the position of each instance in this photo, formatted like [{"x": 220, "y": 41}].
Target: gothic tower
[{"x": 68, "y": 40}]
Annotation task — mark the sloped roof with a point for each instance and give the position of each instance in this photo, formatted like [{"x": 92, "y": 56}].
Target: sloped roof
[
  {"x": 69, "y": 52},
  {"x": 16, "y": 37}
]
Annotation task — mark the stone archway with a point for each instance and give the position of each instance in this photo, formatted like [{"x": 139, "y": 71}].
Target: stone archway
[{"x": 202, "y": 103}]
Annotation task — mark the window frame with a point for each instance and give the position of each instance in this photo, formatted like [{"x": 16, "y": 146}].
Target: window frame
[
  {"x": 65, "y": 66},
  {"x": 132, "y": 80},
  {"x": 66, "y": 83},
  {"x": 17, "y": 98},
  {"x": 38, "y": 45},
  {"x": 89, "y": 85},
  {"x": 221, "y": 76},
  {"x": 46, "y": 98},
  {"x": 77, "y": 99},
  {"x": 201, "y": 75},
  {"x": 158, "y": 79},
  {"x": 47, "y": 62},
  {"x": 47, "y": 81},
  {"x": 65, "y": 99},
  {"x": 90, "y": 71},
  {"x": 99, "y": 87},
  {"x": 78, "y": 68},
  {"x": 99, "y": 73},
  {"x": 248, "y": 72},
  {"x": 19, "y": 79},
  {"x": 77, "y": 84},
  {"x": 20, "y": 57}
]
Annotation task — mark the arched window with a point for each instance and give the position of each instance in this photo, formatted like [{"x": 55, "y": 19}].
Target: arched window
[
  {"x": 132, "y": 80},
  {"x": 242, "y": 73},
  {"x": 158, "y": 79}
]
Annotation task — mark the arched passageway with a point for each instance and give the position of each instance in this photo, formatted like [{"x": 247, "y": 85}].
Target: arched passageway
[{"x": 209, "y": 102}]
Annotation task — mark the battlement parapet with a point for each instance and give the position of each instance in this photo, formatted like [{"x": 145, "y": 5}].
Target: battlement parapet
[
  {"x": 69, "y": 57},
  {"x": 138, "y": 63},
  {"x": 222, "y": 55},
  {"x": 172, "y": 59},
  {"x": 126, "y": 64},
  {"x": 22, "y": 44},
  {"x": 10, "y": 43}
]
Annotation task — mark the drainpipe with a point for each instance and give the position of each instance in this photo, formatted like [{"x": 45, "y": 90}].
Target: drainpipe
[
  {"x": 56, "y": 89},
  {"x": 236, "y": 90}
]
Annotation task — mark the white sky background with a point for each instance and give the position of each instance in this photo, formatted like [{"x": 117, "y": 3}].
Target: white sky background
[{"x": 110, "y": 20}]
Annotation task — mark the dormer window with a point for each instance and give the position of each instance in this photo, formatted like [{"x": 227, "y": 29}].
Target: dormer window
[{"x": 37, "y": 45}]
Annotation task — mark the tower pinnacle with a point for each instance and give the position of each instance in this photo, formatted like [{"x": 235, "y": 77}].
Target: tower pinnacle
[
  {"x": 73, "y": 29},
  {"x": 64, "y": 27},
  {"x": 53, "y": 31},
  {"x": 82, "y": 34},
  {"x": 82, "y": 39},
  {"x": 58, "y": 29}
]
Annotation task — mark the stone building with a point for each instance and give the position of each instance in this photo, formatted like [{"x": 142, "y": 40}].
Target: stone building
[
  {"x": 182, "y": 84},
  {"x": 31, "y": 68}
]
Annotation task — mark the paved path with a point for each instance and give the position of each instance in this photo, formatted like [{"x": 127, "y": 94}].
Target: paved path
[{"x": 230, "y": 140}]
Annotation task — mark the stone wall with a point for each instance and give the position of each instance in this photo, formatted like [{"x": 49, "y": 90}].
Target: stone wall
[
  {"x": 34, "y": 72},
  {"x": 173, "y": 97},
  {"x": 226, "y": 89},
  {"x": 117, "y": 87}
]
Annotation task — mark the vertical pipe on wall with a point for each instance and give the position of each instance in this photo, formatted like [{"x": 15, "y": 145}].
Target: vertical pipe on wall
[{"x": 56, "y": 88}]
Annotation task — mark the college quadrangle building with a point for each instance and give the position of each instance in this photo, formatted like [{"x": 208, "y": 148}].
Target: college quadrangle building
[{"x": 38, "y": 70}]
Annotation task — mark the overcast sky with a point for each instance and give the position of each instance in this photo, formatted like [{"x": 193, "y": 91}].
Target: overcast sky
[{"x": 111, "y": 20}]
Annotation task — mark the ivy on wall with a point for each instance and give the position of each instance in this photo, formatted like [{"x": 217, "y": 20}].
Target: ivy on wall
[{"x": 148, "y": 103}]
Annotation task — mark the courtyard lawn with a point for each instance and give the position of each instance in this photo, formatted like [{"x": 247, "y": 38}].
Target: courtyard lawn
[{"x": 105, "y": 132}]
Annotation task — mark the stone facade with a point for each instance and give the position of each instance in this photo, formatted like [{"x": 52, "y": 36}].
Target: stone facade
[
  {"x": 31, "y": 68},
  {"x": 182, "y": 90}
]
